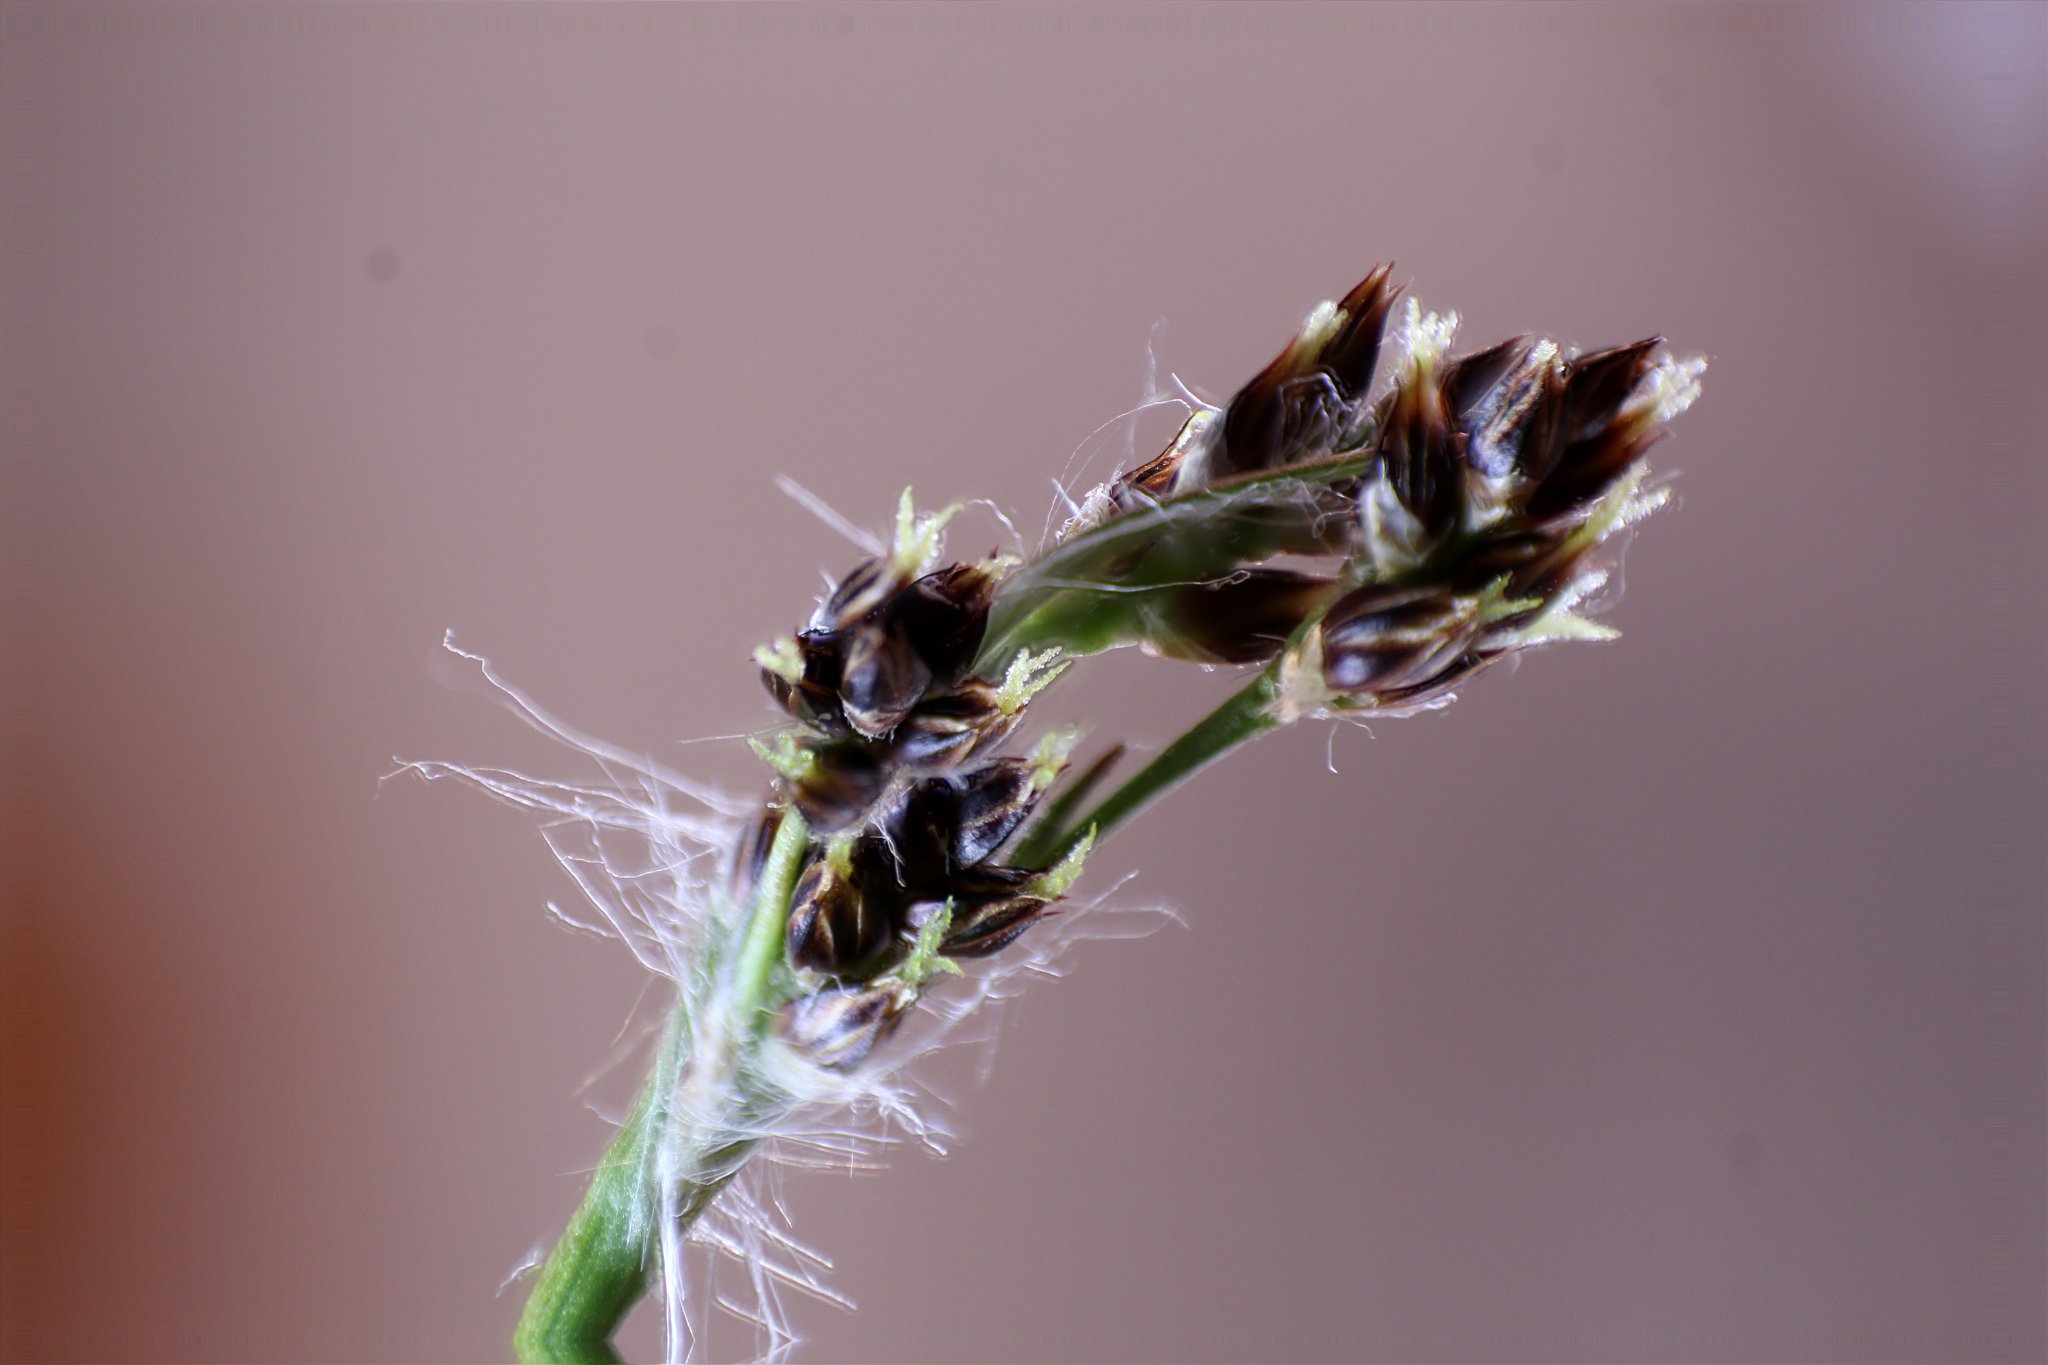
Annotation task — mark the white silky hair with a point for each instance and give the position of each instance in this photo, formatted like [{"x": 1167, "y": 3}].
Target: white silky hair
[{"x": 651, "y": 850}]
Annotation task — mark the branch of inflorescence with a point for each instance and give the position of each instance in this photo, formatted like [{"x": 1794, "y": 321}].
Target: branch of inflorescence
[{"x": 1371, "y": 553}]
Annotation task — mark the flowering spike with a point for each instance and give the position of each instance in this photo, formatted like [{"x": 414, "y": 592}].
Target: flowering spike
[
  {"x": 1368, "y": 547},
  {"x": 1308, "y": 398}
]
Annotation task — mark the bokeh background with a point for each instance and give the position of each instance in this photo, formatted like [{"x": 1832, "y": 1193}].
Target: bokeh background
[{"x": 1676, "y": 1000}]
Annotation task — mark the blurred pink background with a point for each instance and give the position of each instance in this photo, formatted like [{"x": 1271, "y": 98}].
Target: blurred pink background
[{"x": 1676, "y": 1000}]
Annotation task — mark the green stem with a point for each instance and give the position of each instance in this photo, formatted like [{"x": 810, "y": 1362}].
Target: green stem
[
  {"x": 768, "y": 920},
  {"x": 599, "y": 1268},
  {"x": 1246, "y": 715}
]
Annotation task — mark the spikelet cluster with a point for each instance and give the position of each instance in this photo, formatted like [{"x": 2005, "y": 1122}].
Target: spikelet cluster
[
  {"x": 1447, "y": 522},
  {"x": 887, "y": 762},
  {"x": 1374, "y": 546}
]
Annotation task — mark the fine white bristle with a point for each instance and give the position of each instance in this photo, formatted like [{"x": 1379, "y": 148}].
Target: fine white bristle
[{"x": 646, "y": 846}]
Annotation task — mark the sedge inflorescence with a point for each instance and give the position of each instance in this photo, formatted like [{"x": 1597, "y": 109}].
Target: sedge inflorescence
[
  {"x": 1361, "y": 544},
  {"x": 1373, "y": 550}
]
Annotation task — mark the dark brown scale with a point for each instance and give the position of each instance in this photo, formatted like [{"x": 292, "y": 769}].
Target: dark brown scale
[
  {"x": 856, "y": 596},
  {"x": 1149, "y": 482},
  {"x": 1306, "y": 401},
  {"x": 989, "y": 881},
  {"x": 913, "y": 829},
  {"x": 944, "y": 615},
  {"x": 1596, "y": 448},
  {"x": 836, "y": 1029},
  {"x": 990, "y": 909},
  {"x": 1450, "y": 675},
  {"x": 1419, "y": 449},
  {"x": 879, "y": 873},
  {"x": 992, "y": 926},
  {"x": 1373, "y": 644},
  {"x": 1255, "y": 420},
  {"x": 1470, "y": 380},
  {"x": 1376, "y": 598},
  {"x": 937, "y": 829},
  {"x": 1597, "y": 384},
  {"x": 945, "y": 730},
  {"x": 1527, "y": 559},
  {"x": 832, "y": 927},
  {"x": 1237, "y": 620},
  {"x": 1587, "y": 470},
  {"x": 813, "y": 699},
  {"x": 988, "y": 806},
  {"x": 753, "y": 855},
  {"x": 1527, "y": 425},
  {"x": 1514, "y": 423},
  {"x": 882, "y": 676},
  {"x": 845, "y": 780},
  {"x": 1493, "y": 397},
  {"x": 1353, "y": 354},
  {"x": 1274, "y": 417}
]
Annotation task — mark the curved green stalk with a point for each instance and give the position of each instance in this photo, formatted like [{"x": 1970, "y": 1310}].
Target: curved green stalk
[
  {"x": 1246, "y": 715},
  {"x": 768, "y": 920},
  {"x": 599, "y": 1269}
]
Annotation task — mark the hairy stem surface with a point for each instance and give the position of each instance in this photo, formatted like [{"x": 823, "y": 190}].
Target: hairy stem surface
[
  {"x": 598, "y": 1270},
  {"x": 600, "y": 1267}
]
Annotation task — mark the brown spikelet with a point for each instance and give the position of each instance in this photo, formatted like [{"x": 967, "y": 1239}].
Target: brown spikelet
[{"x": 1311, "y": 391}]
